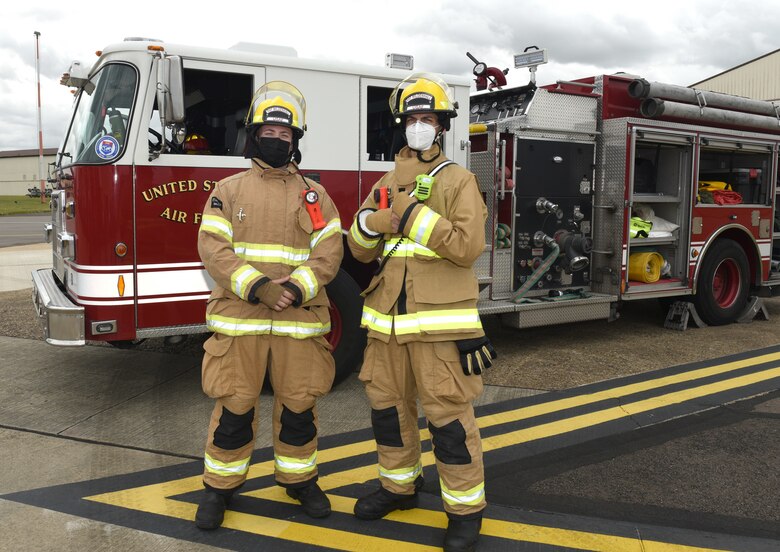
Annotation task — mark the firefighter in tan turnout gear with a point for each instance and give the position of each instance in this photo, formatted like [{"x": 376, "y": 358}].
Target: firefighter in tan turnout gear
[
  {"x": 271, "y": 240},
  {"x": 425, "y": 337}
]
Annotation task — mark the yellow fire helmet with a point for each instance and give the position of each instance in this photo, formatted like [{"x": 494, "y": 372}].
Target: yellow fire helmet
[
  {"x": 423, "y": 93},
  {"x": 278, "y": 103}
]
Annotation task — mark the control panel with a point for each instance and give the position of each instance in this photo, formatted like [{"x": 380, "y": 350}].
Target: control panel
[{"x": 501, "y": 104}]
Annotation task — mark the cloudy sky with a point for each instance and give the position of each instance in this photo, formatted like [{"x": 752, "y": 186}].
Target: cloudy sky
[{"x": 675, "y": 41}]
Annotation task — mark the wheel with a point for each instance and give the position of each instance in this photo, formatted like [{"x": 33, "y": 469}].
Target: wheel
[
  {"x": 723, "y": 287},
  {"x": 346, "y": 336}
]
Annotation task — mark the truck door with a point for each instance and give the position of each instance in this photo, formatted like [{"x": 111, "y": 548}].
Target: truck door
[
  {"x": 380, "y": 139},
  {"x": 170, "y": 190}
]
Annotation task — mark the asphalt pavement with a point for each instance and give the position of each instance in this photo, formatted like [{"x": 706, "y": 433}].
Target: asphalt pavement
[
  {"x": 90, "y": 434},
  {"x": 22, "y": 229}
]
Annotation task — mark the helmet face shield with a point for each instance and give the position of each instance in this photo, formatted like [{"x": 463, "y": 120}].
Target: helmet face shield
[
  {"x": 422, "y": 93},
  {"x": 278, "y": 103}
]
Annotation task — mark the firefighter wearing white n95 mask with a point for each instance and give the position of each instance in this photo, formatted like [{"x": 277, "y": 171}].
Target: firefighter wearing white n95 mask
[
  {"x": 425, "y": 337},
  {"x": 270, "y": 260}
]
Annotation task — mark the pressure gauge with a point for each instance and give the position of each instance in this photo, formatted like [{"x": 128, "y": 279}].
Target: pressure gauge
[{"x": 480, "y": 69}]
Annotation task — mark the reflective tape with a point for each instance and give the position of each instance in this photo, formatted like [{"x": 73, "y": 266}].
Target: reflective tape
[
  {"x": 421, "y": 322},
  {"x": 288, "y": 464},
  {"x": 360, "y": 239},
  {"x": 240, "y": 279},
  {"x": 252, "y": 326},
  {"x": 373, "y": 320},
  {"x": 429, "y": 321},
  {"x": 217, "y": 225},
  {"x": 471, "y": 497},
  {"x": 423, "y": 225},
  {"x": 333, "y": 227},
  {"x": 226, "y": 469},
  {"x": 407, "y": 249},
  {"x": 402, "y": 476},
  {"x": 271, "y": 253},
  {"x": 305, "y": 276}
]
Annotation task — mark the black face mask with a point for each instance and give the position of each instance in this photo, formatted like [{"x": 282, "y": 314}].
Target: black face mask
[{"x": 274, "y": 151}]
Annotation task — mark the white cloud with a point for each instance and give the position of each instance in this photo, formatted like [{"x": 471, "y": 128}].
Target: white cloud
[{"x": 667, "y": 40}]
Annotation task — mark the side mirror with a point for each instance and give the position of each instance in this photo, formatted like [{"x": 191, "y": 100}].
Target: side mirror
[{"x": 170, "y": 89}]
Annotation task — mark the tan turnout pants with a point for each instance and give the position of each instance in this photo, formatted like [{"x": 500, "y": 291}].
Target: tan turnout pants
[
  {"x": 394, "y": 376},
  {"x": 233, "y": 372}
]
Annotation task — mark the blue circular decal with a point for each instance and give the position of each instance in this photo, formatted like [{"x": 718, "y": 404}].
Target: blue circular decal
[{"x": 107, "y": 147}]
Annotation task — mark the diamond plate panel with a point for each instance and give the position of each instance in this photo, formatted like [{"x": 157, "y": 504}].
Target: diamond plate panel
[
  {"x": 483, "y": 165},
  {"x": 502, "y": 276},
  {"x": 482, "y": 264},
  {"x": 608, "y": 207},
  {"x": 597, "y": 307}
]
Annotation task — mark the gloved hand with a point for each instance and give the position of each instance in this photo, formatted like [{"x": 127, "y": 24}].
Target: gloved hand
[
  {"x": 381, "y": 221},
  {"x": 267, "y": 293},
  {"x": 476, "y": 354},
  {"x": 402, "y": 201}
]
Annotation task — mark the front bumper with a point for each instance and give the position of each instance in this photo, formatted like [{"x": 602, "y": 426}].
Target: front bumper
[{"x": 62, "y": 320}]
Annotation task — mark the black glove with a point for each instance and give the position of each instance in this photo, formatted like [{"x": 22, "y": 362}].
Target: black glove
[{"x": 476, "y": 354}]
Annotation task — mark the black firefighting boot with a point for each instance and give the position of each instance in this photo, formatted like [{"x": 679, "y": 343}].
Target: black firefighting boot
[
  {"x": 315, "y": 503},
  {"x": 381, "y": 502},
  {"x": 211, "y": 510},
  {"x": 462, "y": 532}
]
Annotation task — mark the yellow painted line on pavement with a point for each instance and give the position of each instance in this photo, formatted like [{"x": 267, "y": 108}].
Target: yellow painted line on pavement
[
  {"x": 521, "y": 532},
  {"x": 617, "y": 392},
  {"x": 153, "y": 498},
  {"x": 626, "y": 410}
]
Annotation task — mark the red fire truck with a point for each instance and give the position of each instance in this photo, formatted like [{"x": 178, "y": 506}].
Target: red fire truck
[{"x": 599, "y": 190}]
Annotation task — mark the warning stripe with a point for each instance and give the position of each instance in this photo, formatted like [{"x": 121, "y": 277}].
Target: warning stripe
[{"x": 156, "y": 498}]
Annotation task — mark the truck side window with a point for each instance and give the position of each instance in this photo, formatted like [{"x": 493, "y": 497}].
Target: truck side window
[
  {"x": 383, "y": 139},
  {"x": 215, "y": 104},
  {"x": 733, "y": 174}
]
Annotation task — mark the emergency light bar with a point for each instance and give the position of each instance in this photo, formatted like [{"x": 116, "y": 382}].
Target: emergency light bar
[
  {"x": 531, "y": 59},
  {"x": 399, "y": 61}
]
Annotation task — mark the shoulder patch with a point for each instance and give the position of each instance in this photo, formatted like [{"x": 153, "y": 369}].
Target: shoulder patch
[{"x": 216, "y": 203}]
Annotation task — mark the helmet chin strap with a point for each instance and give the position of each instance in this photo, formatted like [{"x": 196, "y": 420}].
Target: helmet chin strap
[{"x": 437, "y": 142}]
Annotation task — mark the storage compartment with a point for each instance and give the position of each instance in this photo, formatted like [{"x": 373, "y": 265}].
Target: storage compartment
[
  {"x": 743, "y": 167},
  {"x": 661, "y": 172}
]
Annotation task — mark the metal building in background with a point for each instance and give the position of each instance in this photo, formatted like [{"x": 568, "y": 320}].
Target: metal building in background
[
  {"x": 758, "y": 79},
  {"x": 19, "y": 170}
]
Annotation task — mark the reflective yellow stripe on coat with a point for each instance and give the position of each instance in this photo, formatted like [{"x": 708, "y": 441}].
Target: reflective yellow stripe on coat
[
  {"x": 423, "y": 225},
  {"x": 240, "y": 279},
  {"x": 406, "y": 249},
  {"x": 360, "y": 239},
  {"x": 217, "y": 225},
  {"x": 271, "y": 253},
  {"x": 421, "y": 322},
  {"x": 333, "y": 227},
  {"x": 257, "y": 326}
]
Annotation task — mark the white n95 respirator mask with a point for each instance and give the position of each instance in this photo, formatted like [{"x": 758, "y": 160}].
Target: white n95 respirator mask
[{"x": 420, "y": 136}]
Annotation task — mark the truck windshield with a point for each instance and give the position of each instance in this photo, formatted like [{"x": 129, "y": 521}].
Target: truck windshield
[{"x": 100, "y": 122}]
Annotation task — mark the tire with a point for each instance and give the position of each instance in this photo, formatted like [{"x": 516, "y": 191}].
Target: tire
[
  {"x": 723, "y": 287},
  {"x": 347, "y": 337}
]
